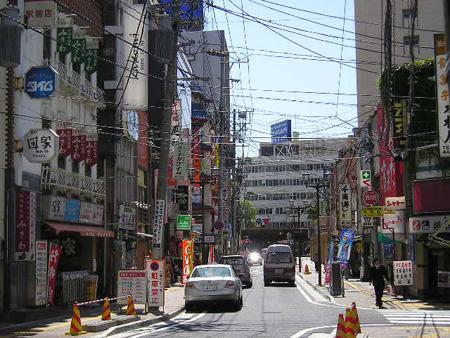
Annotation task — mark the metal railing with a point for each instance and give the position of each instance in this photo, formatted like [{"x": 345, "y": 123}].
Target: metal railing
[
  {"x": 57, "y": 178},
  {"x": 79, "y": 83}
]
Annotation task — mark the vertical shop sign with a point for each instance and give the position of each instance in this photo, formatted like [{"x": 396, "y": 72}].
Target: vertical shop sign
[
  {"x": 41, "y": 273},
  {"x": 188, "y": 259},
  {"x": 155, "y": 289},
  {"x": 65, "y": 141},
  {"x": 25, "y": 226},
  {"x": 63, "y": 40},
  {"x": 399, "y": 125},
  {"x": 345, "y": 202},
  {"x": 442, "y": 98},
  {"x": 181, "y": 160},
  {"x": 158, "y": 223},
  {"x": 53, "y": 261},
  {"x": 78, "y": 147}
]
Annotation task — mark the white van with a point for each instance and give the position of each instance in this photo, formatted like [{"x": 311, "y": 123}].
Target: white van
[{"x": 279, "y": 265}]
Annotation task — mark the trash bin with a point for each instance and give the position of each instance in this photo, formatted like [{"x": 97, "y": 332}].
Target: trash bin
[
  {"x": 90, "y": 287},
  {"x": 336, "y": 279}
]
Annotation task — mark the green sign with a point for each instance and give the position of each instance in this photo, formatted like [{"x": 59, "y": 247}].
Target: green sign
[
  {"x": 184, "y": 222},
  {"x": 64, "y": 40},
  {"x": 78, "y": 51}
]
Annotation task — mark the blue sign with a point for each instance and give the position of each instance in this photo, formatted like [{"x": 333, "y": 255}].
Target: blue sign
[
  {"x": 190, "y": 12},
  {"x": 345, "y": 245},
  {"x": 40, "y": 82},
  {"x": 281, "y": 132},
  {"x": 72, "y": 211}
]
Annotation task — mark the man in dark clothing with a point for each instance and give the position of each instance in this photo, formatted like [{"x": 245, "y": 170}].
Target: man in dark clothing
[{"x": 377, "y": 277}]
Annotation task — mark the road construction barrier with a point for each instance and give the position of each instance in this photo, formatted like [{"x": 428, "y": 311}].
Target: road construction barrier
[
  {"x": 307, "y": 272},
  {"x": 355, "y": 317},
  {"x": 106, "y": 313},
  {"x": 340, "y": 331},
  {"x": 75, "y": 325},
  {"x": 131, "y": 311},
  {"x": 349, "y": 325}
]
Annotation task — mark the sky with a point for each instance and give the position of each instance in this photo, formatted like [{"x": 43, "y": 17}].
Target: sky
[{"x": 290, "y": 75}]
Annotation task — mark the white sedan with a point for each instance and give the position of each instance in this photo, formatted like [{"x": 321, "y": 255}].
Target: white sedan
[{"x": 213, "y": 283}]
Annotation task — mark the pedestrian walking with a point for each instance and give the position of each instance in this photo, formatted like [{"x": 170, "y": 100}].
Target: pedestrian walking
[{"x": 378, "y": 277}]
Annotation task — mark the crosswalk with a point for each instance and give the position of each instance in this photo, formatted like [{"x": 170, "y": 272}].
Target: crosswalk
[{"x": 417, "y": 317}]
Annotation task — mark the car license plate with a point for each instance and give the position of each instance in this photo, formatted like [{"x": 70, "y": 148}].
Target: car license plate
[
  {"x": 209, "y": 287},
  {"x": 278, "y": 270}
]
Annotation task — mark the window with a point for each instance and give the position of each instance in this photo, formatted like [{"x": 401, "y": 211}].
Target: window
[
  {"x": 279, "y": 257},
  {"x": 279, "y": 211},
  {"x": 75, "y": 167},
  {"x": 407, "y": 41},
  {"x": 61, "y": 162},
  {"x": 407, "y": 15},
  {"x": 211, "y": 272},
  {"x": 87, "y": 171}
]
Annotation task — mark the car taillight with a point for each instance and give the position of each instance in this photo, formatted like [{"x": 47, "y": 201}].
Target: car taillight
[
  {"x": 229, "y": 284},
  {"x": 190, "y": 285}
]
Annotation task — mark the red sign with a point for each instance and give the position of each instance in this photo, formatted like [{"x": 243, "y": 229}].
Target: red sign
[
  {"x": 53, "y": 261},
  {"x": 370, "y": 197},
  {"x": 79, "y": 148},
  {"x": 25, "y": 226},
  {"x": 65, "y": 141},
  {"x": 91, "y": 153}
]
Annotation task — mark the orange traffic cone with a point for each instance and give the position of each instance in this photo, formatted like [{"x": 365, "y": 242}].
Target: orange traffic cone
[
  {"x": 130, "y": 308},
  {"x": 106, "y": 314},
  {"x": 75, "y": 325},
  {"x": 349, "y": 326},
  {"x": 340, "y": 331},
  {"x": 355, "y": 317},
  {"x": 307, "y": 272}
]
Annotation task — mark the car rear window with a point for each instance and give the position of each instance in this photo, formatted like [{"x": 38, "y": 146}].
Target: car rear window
[
  {"x": 212, "y": 272},
  {"x": 232, "y": 261},
  {"x": 279, "y": 257}
]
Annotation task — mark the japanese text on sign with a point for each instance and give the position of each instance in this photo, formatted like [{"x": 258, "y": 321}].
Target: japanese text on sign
[
  {"x": 158, "y": 222},
  {"x": 41, "y": 273},
  {"x": 132, "y": 282},
  {"x": 403, "y": 274},
  {"x": 345, "y": 202},
  {"x": 25, "y": 226},
  {"x": 442, "y": 95},
  {"x": 53, "y": 261},
  {"x": 155, "y": 289}
]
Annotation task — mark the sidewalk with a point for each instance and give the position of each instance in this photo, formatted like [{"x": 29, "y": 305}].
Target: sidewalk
[
  {"x": 363, "y": 294},
  {"x": 56, "y": 326}
]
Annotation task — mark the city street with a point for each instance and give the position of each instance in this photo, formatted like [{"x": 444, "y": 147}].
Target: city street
[{"x": 274, "y": 311}]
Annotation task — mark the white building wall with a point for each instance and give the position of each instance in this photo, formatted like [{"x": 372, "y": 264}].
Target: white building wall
[{"x": 369, "y": 17}]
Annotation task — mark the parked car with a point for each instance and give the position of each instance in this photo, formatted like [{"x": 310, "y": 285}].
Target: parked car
[
  {"x": 279, "y": 265},
  {"x": 240, "y": 266},
  {"x": 255, "y": 258},
  {"x": 211, "y": 284}
]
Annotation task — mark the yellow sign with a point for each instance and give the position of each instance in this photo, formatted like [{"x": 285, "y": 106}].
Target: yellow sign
[{"x": 372, "y": 212}]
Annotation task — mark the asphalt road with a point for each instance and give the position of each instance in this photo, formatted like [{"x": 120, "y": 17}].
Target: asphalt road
[{"x": 274, "y": 311}]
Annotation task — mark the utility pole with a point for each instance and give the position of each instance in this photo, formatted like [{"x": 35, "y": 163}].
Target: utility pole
[{"x": 170, "y": 81}]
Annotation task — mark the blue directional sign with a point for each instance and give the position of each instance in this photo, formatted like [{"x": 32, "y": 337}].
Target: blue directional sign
[{"x": 40, "y": 82}]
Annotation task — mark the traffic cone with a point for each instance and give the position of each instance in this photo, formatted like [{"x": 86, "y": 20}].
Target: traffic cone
[
  {"x": 307, "y": 272},
  {"x": 349, "y": 326},
  {"x": 340, "y": 331},
  {"x": 130, "y": 308},
  {"x": 75, "y": 325},
  {"x": 356, "y": 319},
  {"x": 106, "y": 314}
]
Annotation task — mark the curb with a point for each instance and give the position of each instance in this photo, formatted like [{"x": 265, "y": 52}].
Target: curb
[
  {"x": 318, "y": 290},
  {"x": 139, "y": 324}
]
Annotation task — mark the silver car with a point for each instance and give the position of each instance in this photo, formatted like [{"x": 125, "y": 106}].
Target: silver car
[{"x": 213, "y": 283}]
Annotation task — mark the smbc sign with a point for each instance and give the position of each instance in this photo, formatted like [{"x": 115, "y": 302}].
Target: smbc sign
[{"x": 40, "y": 82}]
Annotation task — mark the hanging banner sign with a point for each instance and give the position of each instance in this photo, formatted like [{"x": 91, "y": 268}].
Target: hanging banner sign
[
  {"x": 345, "y": 245},
  {"x": 41, "y": 273},
  {"x": 188, "y": 259},
  {"x": 442, "y": 94},
  {"x": 25, "y": 226},
  {"x": 65, "y": 141},
  {"x": 91, "y": 150},
  {"x": 53, "y": 262},
  {"x": 345, "y": 202},
  {"x": 78, "y": 146},
  {"x": 158, "y": 223}
]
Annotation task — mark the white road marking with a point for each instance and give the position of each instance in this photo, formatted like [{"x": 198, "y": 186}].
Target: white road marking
[
  {"x": 305, "y": 331},
  {"x": 417, "y": 317},
  {"x": 310, "y": 300}
]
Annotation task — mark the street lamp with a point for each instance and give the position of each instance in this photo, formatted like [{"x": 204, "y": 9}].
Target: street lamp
[{"x": 321, "y": 183}]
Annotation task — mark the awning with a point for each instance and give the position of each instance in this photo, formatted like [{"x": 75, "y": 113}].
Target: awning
[{"x": 83, "y": 230}]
